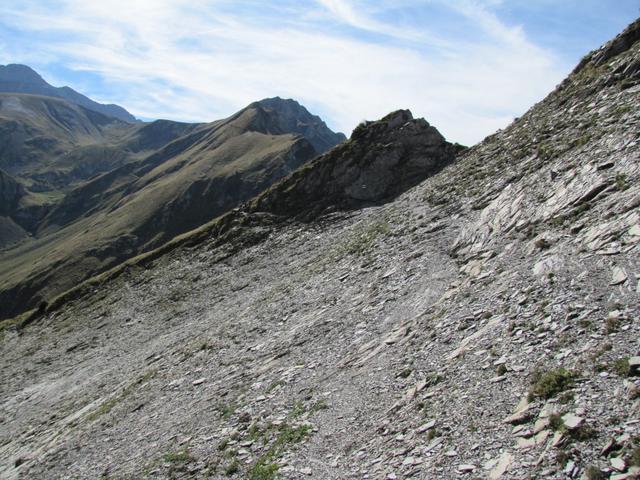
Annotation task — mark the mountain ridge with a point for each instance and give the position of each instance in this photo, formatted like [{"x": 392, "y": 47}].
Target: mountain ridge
[{"x": 17, "y": 78}]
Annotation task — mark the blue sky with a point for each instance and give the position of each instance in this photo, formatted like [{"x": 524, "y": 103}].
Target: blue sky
[{"x": 468, "y": 66}]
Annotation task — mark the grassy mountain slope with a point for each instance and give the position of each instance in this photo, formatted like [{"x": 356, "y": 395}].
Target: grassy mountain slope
[{"x": 482, "y": 325}]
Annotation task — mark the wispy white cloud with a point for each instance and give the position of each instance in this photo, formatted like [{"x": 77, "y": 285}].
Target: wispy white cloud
[{"x": 203, "y": 59}]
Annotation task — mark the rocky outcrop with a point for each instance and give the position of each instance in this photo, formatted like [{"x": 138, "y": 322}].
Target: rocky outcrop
[{"x": 381, "y": 160}]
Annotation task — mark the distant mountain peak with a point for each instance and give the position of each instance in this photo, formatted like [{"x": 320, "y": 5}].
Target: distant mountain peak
[
  {"x": 17, "y": 78},
  {"x": 22, "y": 72},
  {"x": 289, "y": 116}
]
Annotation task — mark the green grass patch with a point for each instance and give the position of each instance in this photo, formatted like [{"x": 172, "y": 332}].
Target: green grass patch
[
  {"x": 550, "y": 383},
  {"x": 363, "y": 240},
  {"x": 180, "y": 456}
]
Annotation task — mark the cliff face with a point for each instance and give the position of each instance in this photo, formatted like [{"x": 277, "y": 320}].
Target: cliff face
[{"x": 482, "y": 324}]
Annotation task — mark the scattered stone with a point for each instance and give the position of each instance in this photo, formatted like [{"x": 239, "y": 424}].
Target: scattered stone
[
  {"x": 199, "y": 381},
  {"x": 572, "y": 421},
  {"x": 538, "y": 439},
  {"x": 504, "y": 462},
  {"x": 521, "y": 413},
  {"x": 618, "y": 276},
  {"x": 466, "y": 468},
  {"x": 427, "y": 426},
  {"x": 618, "y": 463}
]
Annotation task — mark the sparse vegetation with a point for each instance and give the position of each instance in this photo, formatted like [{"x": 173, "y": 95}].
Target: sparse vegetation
[
  {"x": 232, "y": 467},
  {"x": 621, "y": 367},
  {"x": 612, "y": 325},
  {"x": 263, "y": 471},
  {"x": 180, "y": 456},
  {"x": 555, "y": 422},
  {"x": 622, "y": 183},
  {"x": 550, "y": 383},
  {"x": 363, "y": 240},
  {"x": 108, "y": 405}
]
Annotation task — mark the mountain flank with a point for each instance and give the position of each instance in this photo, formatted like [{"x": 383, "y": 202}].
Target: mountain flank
[{"x": 482, "y": 324}]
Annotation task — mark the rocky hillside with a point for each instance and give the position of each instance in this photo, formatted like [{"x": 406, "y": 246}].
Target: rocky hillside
[
  {"x": 147, "y": 184},
  {"x": 483, "y": 324},
  {"x": 23, "y": 79}
]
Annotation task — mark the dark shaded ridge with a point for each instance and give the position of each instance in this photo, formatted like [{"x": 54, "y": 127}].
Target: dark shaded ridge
[{"x": 381, "y": 160}]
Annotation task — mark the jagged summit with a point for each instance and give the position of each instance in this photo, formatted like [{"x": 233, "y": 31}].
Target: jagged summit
[
  {"x": 382, "y": 159},
  {"x": 277, "y": 115},
  {"x": 16, "y": 78}
]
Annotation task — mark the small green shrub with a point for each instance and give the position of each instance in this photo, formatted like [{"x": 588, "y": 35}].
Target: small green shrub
[
  {"x": 622, "y": 183},
  {"x": 612, "y": 325},
  {"x": 548, "y": 384},
  {"x": 621, "y": 367},
  {"x": 180, "y": 456},
  {"x": 263, "y": 471},
  {"x": 555, "y": 422}
]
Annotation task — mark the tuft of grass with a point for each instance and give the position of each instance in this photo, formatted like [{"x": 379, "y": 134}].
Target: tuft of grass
[
  {"x": 363, "y": 241},
  {"x": 263, "y": 471},
  {"x": 622, "y": 183},
  {"x": 550, "y": 383},
  {"x": 583, "y": 433},
  {"x": 226, "y": 409},
  {"x": 634, "y": 457},
  {"x": 555, "y": 422},
  {"x": 180, "y": 456},
  {"x": 612, "y": 325},
  {"x": 319, "y": 405},
  {"x": 621, "y": 367},
  {"x": 265, "y": 467},
  {"x": 274, "y": 385}
]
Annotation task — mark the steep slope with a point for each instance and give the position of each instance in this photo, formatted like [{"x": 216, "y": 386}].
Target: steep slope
[
  {"x": 11, "y": 193},
  {"x": 482, "y": 325},
  {"x": 16, "y": 78},
  {"x": 143, "y": 204},
  {"x": 37, "y": 131}
]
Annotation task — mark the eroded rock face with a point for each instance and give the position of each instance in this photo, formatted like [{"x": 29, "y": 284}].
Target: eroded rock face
[{"x": 381, "y": 160}]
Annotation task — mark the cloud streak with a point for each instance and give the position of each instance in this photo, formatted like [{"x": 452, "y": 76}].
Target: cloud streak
[{"x": 200, "y": 60}]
